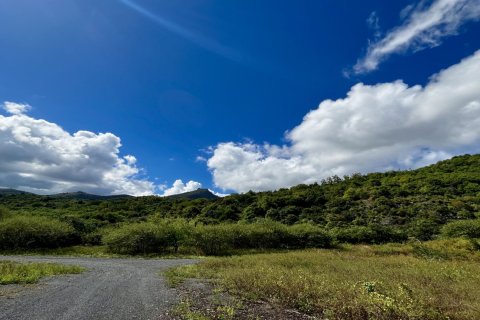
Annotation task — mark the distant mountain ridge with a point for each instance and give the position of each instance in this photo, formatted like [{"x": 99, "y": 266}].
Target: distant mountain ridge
[
  {"x": 80, "y": 195},
  {"x": 197, "y": 194},
  {"x": 9, "y": 191}
]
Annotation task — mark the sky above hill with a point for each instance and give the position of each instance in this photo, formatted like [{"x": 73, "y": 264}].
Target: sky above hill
[{"x": 162, "y": 97}]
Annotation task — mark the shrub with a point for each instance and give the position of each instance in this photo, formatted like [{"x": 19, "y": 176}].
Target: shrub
[
  {"x": 91, "y": 239},
  {"x": 23, "y": 232},
  {"x": 4, "y": 213},
  {"x": 213, "y": 239},
  {"x": 141, "y": 238},
  {"x": 148, "y": 237},
  {"x": 263, "y": 234},
  {"x": 176, "y": 231},
  {"x": 83, "y": 225},
  {"x": 355, "y": 234},
  {"x": 369, "y": 234},
  {"x": 463, "y": 228},
  {"x": 309, "y": 236},
  {"x": 158, "y": 235},
  {"x": 423, "y": 229}
]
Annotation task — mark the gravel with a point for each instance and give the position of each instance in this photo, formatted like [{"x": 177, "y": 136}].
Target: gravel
[{"x": 109, "y": 289}]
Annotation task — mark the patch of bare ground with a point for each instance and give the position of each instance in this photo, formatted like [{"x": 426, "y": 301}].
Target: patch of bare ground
[{"x": 201, "y": 300}]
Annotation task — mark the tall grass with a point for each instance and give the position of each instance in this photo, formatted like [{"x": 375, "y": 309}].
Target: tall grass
[
  {"x": 350, "y": 284},
  {"x": 24, "y": 273}
]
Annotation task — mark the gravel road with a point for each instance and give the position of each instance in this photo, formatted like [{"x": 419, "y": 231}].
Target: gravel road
[{"x": 110, "y": 289}]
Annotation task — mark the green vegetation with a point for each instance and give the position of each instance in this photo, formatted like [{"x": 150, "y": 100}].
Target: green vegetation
[
  {"x": 174, "y": 235},
  {"x": 24, "y": 232},
  {"x": 24, "y": 273},
  {"x": 355, "y": 282},
  {"x": 75, "y": 251},
  {"x": 147, "y": 237},
  {"x": 221, "y": 310},
  {"x": 183, "y": 309},
  {"x": 466, "y": 228},
  {"x": 442, "y": 200},
  {"x": 402, "y": 245}
]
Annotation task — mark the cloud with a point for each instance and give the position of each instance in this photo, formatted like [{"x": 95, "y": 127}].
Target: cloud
[
  {"x": 41, "y": 157},
  {"x": 242, "y": 167},
  {"x": 374, "y": 128},
  {"x": 180, "y": 187},
  {"x": 421, "y": 28},
  {"x": 219, "y": 194},
  {"x": 15, "y": 108},
  {"x": 373, "y": 22},
  {"x": 200, "y": 159}
]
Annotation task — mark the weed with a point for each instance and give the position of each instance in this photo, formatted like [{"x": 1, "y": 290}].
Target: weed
[
  {"x": 25, "y": 273},
  {"x": 184, "y": 310},
  {"x": 353, "y": 283}
]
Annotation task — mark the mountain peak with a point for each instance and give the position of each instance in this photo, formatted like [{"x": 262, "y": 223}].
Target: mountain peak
[{"x": 197, "y": 194}]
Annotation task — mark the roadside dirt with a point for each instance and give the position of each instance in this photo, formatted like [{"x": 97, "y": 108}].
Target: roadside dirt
[{"x": 113, "y": 289}]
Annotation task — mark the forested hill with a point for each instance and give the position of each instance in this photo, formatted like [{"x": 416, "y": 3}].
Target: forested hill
[
  {"x": 417, "y": 200},
  {"x": 197, "y": 194},
  {"x": 428, "y": 196}
]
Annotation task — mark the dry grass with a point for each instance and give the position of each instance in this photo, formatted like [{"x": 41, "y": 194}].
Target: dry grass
[
  {"x": 358, "y": 282},
  {"x": 25, "y": 273}
]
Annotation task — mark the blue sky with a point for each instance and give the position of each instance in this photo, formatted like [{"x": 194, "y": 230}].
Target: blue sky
[{"x": 174, "y": 80}]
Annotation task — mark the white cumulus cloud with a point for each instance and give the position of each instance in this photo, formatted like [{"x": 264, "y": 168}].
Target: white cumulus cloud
[
  {"x": 40, "y": 156},
  {"x": 219, "y": 194},
  {"x": 180, "y": 187},
  {"x": 374, "y": 128},
  {"x": 15, "y": 108},
  {"x": 422, "y": 27}
]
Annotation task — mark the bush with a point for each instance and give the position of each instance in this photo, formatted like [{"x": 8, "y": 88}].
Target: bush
[
  {"x": 213, "y": 239},
  {"x": 91, "y": 239},
  {"x": 464, "y": 228},
  {"x": 309, "y": 236},
  {"x": 83, "y": 225},
  {"x": 23, "y": 232},
  {"x": 139, "y": 238},
  {"x": 176, "y": 231},
  {"x": 221, "y": 239},
  {"x": 423, "y": 229},
  {"x": 4, "y": 213},
  {"x": 264, "y": 234},
  {"x": 147, "y": 237},
  {"x": 369, "y": 234}
]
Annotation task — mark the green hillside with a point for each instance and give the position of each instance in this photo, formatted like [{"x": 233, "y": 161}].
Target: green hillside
[
  {"x": 376, "y": 207},
  {"x": 9, "y": 192}
]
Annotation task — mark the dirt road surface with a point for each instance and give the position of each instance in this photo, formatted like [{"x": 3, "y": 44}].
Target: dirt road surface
[{"x": 113, "y": 289}]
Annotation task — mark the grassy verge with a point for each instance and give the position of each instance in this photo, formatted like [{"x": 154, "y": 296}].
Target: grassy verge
[
  {"x": 92, "y": 252},
  {"x": 184, "y": 310},
  {"x": 76, "y": 251},
  {"x": 435, "y": 280},
  {"x": 25, "y": 273}
]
